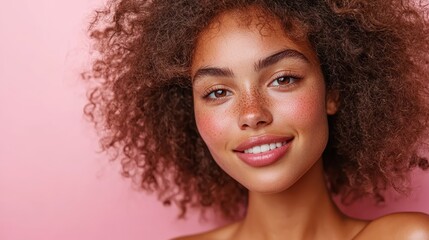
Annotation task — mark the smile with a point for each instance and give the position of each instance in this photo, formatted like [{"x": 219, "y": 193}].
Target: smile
[
  {"x": 264, "y": 147},
  {"x": 263, "y": 150}
]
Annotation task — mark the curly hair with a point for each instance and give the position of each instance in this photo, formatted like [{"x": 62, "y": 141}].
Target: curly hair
[{"x": 373, "y": 53}]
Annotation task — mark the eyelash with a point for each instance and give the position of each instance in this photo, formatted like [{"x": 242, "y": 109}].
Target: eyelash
[
  {"x": 213, "y": 90},
  {"x": 292, "y": 78}
]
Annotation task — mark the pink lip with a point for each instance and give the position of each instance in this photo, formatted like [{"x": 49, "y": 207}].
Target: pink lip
[{"x": 265, "y": 158}]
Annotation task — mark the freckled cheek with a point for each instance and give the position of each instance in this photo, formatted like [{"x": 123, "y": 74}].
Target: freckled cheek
[
  {"x": 303, "y": 112},
  {"x": 212, "y": 126}
]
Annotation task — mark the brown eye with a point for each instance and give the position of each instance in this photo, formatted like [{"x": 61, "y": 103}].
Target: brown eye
[
  {"x": 219, "y": 93},
  {"x": 284, "y": 80}
]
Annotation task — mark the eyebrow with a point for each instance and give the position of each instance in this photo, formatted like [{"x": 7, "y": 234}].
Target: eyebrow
[
  {"x": 277, "y": 57},
  {"x": 261, "y": 64},
  {"x": 213, "y": 72}
]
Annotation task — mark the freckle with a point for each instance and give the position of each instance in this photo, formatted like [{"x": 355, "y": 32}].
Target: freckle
[
  {"x": 261, "y": 98},
  {"x": 257, "y": 98},
  {"x": 235, "y": 110}
]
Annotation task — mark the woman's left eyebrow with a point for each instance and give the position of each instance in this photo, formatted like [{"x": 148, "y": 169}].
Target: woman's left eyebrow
[{"x": 278, "y": 56}]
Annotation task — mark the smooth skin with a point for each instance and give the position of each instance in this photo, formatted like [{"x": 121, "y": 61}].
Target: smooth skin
[{"x": 251, "y": 81}]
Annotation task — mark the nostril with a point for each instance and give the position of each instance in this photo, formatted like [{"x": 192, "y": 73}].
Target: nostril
[
  {"x": 255, "y": 119},
  {"x": 261, "y": 123}
]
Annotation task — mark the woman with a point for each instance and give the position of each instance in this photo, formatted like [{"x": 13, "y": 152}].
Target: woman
[{"x": 268, "y": 106}]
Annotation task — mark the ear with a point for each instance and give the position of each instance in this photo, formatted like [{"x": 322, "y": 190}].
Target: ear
[{"x": 332, "y": 101}]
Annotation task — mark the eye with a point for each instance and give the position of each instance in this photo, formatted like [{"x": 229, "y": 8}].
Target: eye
[
  {"x": 218, "y": 93},
  {"x": 284, "y": 81}
]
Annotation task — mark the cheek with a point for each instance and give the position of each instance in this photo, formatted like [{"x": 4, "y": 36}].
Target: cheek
[
  {"x": 309, "y": 116},
  {"x": 211, "y": 125},
  {"x": 303, "y": 110},
  {"x": 306, "y": 116}
]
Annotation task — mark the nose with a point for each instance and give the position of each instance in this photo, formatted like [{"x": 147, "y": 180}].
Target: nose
[{"x": 254, "y": 112}]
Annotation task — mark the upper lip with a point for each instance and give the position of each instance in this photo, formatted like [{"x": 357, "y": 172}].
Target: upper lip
[{"x": 260, "y": 140}]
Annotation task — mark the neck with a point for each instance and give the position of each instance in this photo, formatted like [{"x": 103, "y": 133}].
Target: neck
[{"x": 304, "y": 211}]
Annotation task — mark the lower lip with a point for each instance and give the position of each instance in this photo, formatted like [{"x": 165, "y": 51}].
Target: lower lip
[{"x": 265, "y": 158}]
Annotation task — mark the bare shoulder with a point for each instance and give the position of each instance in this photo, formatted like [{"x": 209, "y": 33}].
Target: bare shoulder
[
  {"x": 404, "y": 226},
  {"x": 221, "y": 233}
]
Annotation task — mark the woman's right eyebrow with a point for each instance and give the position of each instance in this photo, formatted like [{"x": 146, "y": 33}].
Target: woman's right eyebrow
[{"x": 212, "y": 72}]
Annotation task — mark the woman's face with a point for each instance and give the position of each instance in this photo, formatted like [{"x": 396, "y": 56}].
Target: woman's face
[{"x": 260, "y": 101}]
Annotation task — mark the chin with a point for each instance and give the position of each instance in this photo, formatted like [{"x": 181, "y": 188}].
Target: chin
[
  {"x": 281, "y": 180},
  {"x": 270, "y": 184}
]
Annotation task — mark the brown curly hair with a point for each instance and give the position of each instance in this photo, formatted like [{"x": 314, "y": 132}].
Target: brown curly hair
[{"x": 373, "y": 53}]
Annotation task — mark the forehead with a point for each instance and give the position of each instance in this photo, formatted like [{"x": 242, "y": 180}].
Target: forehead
[{"x": 249, "y": 29}]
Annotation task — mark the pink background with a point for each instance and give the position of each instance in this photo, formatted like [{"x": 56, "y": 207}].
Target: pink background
[{"x": 53, "y": 184}]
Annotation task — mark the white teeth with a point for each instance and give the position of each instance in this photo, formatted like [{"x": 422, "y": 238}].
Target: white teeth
[
  {"x": 264, "y": 148},
  {"x": 257, "y": 149}
]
